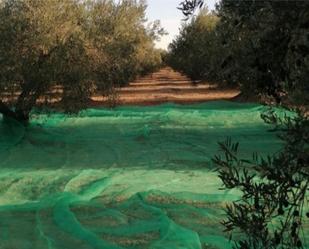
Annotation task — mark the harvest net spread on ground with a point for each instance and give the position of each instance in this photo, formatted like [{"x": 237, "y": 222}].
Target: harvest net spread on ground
[{"x": 132, "y": 177}]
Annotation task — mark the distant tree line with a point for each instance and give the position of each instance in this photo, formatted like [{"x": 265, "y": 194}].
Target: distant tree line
[
  {"x": 260, "y": 46},
  {"x": 195, "y": 51},
  {"x": 65, "y": 50}
]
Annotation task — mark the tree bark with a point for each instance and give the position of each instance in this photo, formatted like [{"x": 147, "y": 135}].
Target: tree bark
[
  {"x": 6, "y": 111},
  {"x": 16, "y": 115}
]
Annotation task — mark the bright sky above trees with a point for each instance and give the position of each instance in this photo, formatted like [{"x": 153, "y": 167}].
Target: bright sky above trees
[{"x": 170, "y": 16}]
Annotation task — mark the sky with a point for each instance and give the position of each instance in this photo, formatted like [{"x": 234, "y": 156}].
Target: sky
[{"x": 166, "y": 11}]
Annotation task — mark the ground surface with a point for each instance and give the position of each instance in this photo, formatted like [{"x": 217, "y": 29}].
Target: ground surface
[
  {"x": 163, "y": 86},
  {"x": 132, "y": 177},
  {"x": 167, "y": 85}
]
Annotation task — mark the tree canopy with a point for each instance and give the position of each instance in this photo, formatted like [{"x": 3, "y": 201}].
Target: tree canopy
[
  {"x": 195, "y": 51},
  {"x": 65, "y": 50},
  {"x": 263, "y": 46}
]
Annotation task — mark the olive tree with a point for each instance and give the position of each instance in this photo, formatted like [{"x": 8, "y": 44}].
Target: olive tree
[
  {"x": 41, "y": 44},
  {"x": 196, "y": 50},
  {"x": 62, "y": 51},
  {"x": 266, "y": 52},
  {"x": 273, "y": 209},
  {"x": 266, "y": 44}
]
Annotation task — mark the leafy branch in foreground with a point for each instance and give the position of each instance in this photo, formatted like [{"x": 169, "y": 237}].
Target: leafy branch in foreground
[
  {"x": 272, "y": 210},
  {"x": 189, "y": 6}
]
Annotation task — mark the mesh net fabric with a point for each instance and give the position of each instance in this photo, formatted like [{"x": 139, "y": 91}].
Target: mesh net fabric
[{"x": 133, "y": 177}]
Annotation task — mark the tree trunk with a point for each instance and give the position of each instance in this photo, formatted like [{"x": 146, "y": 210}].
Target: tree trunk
[
  {"x": 6, "y": 111},
  {"x": 19, "y": 116},
  {"x": 27, "y": 100}
]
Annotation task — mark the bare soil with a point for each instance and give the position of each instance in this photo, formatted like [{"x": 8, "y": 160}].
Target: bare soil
[{"x": 164, "y": 86}]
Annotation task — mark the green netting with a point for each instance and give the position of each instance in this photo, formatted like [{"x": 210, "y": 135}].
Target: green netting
[{"x": 133, "y": 177}]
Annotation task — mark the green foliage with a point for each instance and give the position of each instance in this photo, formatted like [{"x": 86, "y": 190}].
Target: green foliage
[
  {"x": 71, "y": 47},
  {"x": 263, "y": 47},
  {"x": 267, "y": 43},
  {"x": 189, "y": 6},
  {"x": 272, "y": 210},
  {"x": 195, "y": 51}
]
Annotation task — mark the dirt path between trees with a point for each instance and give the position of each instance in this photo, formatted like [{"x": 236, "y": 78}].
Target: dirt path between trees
[{"x": 164, "y": 86}]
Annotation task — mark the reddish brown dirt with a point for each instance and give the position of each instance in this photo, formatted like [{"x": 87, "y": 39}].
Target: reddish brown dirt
[{"x": 167, "y": 85}]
